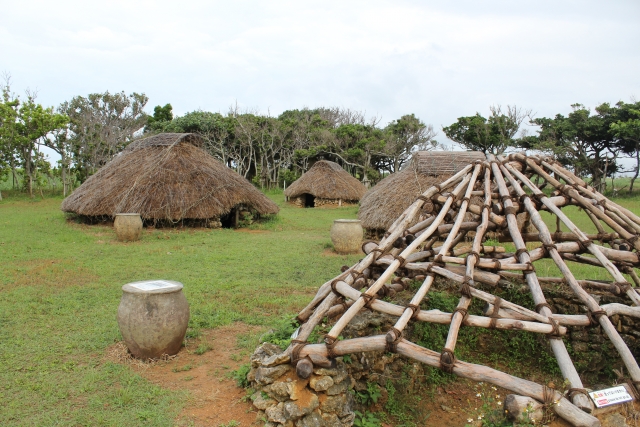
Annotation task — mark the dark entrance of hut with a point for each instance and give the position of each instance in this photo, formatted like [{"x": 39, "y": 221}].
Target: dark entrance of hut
[
  {"x": 231, "y": 219},
  {"x": 309, "y": 200}
]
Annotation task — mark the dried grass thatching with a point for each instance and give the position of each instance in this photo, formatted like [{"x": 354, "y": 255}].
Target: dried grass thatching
[
  {"x": 327, "y": 180},
  {"x": 383, "y": 203},
  {"x": 444, "y": 163},
  {"x": 166, "y": 177}
]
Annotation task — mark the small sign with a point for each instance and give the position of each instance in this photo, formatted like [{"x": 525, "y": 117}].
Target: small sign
[
  {"x": 610, "y": 396},
  {"x": 153, "y": 285}
]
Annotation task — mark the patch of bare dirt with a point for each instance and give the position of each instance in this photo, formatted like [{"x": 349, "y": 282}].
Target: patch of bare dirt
[{"x": 215, "y": 398}]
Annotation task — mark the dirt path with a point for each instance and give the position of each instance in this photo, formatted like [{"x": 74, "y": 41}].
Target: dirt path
[{"x": 215, "y": 398}]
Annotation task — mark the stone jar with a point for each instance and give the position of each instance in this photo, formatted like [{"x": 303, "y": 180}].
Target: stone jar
[
  {"x": 346, "y": 235},
  {"x": 128, "y": 226},
  {"x": 153, "y": 316}
]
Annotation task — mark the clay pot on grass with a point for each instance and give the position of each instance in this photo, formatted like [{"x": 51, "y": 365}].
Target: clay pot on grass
[{"x": 128, "y": 227}]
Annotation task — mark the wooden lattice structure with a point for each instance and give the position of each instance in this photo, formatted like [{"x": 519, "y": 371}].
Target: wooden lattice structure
[{"x": 440, "y": 246}]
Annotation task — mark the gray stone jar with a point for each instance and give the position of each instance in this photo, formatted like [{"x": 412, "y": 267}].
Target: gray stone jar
[{"x": 153, "y": 316}]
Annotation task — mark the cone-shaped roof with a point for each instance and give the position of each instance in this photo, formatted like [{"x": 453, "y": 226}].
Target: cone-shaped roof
[
  {"x": 327, "y": 180},
  {"x": 384, "y": 202},
  {"x": 166, "y": 177},
  {"x": 435, "y": 248}
]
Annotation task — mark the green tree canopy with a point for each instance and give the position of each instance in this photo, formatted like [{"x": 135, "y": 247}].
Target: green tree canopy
[{"x": 489, "y": 135}]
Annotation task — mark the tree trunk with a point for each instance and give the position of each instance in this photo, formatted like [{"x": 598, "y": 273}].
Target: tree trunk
[{"x": 637, "y": 167}]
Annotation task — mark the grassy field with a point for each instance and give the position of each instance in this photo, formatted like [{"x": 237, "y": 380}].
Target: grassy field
[{"x": 60, "y": 286}]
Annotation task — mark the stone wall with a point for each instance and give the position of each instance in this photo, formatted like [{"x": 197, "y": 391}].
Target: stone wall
[
  {"x": 297, "y": 201},
  {"x": 318, "y": 202}
]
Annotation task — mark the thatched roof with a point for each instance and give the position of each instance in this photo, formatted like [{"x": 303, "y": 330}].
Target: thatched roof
[
  {"x": 384, "y": 202},
  {"x": 440, "y": 163},
  {"x": 327, "y": 180},
  {"x": 166, "y": 177}
]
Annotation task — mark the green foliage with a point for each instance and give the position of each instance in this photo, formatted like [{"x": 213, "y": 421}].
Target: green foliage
[
  {"x": 490, "y": 412},
  {"x": 492, "y": 135},
  {"x": 240, "y": 375},
  {"x": 369, "y": 396},
  {"x": 101, "y": 125},
  {"x": 202, "y": 349},
  {"x": 366, "y": 419},
  {"x": 280, "y": 335},
  {"x": 161, "y": 117}
]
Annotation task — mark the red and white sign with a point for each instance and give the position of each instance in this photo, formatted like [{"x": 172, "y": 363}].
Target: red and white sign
[{"x": 610, "y": 396}]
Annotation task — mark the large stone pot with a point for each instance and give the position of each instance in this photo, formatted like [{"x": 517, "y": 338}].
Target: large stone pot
[
  {"x": 153, "y": 316},
  {"x": 346, "y": 235},
  {"x": 128, "y": 226}
]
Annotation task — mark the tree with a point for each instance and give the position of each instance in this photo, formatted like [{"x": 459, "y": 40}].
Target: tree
[
  {"x": 162, "y": 116},
  {"x": 493, "y": 135},
  {"x": 405, "y": 136},
  {"x": 581, "y": 140},
  {"x": 25, "y": 126},
  {"x": 102, "y": 124},
  {"x": 626, "y": 128}
]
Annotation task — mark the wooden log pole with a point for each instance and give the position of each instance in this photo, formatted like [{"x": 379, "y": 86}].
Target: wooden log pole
[
  {"x": 585, "y": 298},
  {"x": 337, "y": 328},
  {"x": 561, "y": 406},
  {"x": 447, "y": 357},
  {"x": 557, "y": 345},
  {"x": 591, "y": 247},
  {"x": 437, "y": 316}
]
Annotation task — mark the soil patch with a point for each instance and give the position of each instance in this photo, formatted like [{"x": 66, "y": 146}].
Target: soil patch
[{"x": 215, "y": 397}]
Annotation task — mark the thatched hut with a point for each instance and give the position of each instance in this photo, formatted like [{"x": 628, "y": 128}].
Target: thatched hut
[
  {"x": 382, "y": 204},
  {"x": 169, "y": 178},
  {"x": 325, "y": 184}
]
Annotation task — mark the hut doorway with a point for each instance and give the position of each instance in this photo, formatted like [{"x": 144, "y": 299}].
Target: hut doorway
[
  {"x": 231, "y": 219},
  {"x": 309, "y": 200}
]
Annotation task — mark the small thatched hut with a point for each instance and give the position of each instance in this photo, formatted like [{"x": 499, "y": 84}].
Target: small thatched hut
[
  {"x": 169, "y": 178},
  {"x": 325, "y": 184},
  {"x": 382, "y": 204}
]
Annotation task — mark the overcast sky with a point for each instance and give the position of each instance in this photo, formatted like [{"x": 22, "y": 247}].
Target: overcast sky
[{"x": 437, "y": 59}]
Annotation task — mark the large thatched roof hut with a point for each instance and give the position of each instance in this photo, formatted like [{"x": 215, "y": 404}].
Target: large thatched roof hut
[
  {"x": 383, "y": 203},
  {"x": 168, "y": 177},
  {"x": 326, "y": 183}
]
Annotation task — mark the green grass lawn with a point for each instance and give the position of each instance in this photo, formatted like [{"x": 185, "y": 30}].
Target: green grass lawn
[{"x": 60, "y": 286}]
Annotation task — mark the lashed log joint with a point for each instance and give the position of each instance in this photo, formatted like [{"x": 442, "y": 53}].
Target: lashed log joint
[{"x": 434, "y": 247}]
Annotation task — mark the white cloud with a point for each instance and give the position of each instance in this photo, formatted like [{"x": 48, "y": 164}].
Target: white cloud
[{"x": 435, "y": 59}]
